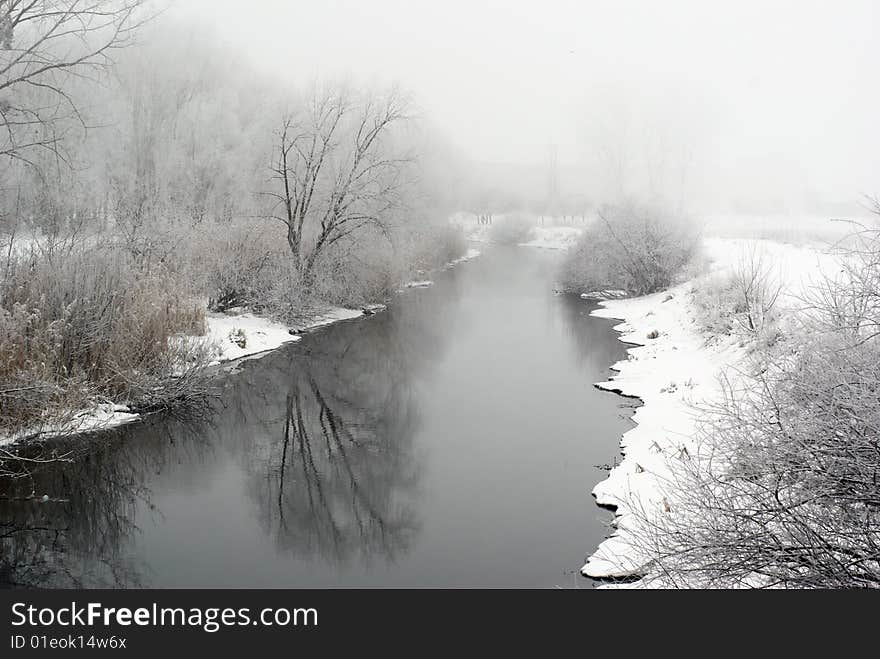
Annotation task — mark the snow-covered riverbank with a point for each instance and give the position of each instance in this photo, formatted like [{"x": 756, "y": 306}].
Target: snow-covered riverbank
[
  {"x": 674, "y": 367},
  {"x": 228, "y": 337}
]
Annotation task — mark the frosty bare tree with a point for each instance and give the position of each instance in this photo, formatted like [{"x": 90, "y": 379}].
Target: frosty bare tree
[
  {"x": 335, "y": 172},
  {"x": 44, "y": 44}
]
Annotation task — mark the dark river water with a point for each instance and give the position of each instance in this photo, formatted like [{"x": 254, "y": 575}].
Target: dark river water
[{"x": 450, "y": 441}]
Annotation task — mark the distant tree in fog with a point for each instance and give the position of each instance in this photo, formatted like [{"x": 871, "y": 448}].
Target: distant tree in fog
[
  {"x": 335, "y": 172},
  {"x": 44, "y": 46},
  {"x": 185, "y": 141}
]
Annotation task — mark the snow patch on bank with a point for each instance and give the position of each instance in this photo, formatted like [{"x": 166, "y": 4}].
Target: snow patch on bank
[
  {"x": 675, "y": 367},
  {"x": 470, "y": 254},
  {"x": 101, "y": 417},
  {"x": 234, "y": 337},
  {"x": 330, "y": 316}
]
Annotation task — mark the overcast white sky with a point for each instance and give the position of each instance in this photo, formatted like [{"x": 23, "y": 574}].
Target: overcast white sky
[{"x": 754, "y": 88}]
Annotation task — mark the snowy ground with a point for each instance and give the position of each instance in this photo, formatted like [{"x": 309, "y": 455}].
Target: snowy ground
[
  {"x": 674, "y": 367},
  {"x": 234, "y": 337},
  {"x": 793, "y": 228},
  {"x": 244, "y": 335},
  {"x": 102, "y": 416}
]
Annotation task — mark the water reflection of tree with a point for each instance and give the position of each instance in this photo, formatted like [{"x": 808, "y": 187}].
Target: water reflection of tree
[
  {"x": 73, "y": 540},
  {"x": 81, "y": 537},
  {"x": 333, "y": 472},
  {"x": 333, "y": 487}
]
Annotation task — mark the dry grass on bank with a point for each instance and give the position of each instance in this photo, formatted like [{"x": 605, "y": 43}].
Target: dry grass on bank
[{"x": 88, "y": 323}]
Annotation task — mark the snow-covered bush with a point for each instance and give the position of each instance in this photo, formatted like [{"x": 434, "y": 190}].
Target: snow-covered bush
[
  {"x": 512, "y": 229},
  {"x": 636, "y": 248}
]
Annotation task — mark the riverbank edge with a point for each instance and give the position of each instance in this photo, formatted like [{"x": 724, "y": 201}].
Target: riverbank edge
[
  {"x": 674, "y": 367},
  {"x": 649, "y": 327},
  {"x": 259, "y": 336}
]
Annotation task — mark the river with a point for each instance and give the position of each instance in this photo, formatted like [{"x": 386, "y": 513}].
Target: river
[{"x": 451, "y": 441}]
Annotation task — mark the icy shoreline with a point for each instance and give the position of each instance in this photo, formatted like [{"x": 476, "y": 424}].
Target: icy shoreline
[{"x": 672, "y": 366}]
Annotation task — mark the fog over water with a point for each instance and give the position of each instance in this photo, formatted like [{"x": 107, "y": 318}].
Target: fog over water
[{"x": 747, "y": 104}]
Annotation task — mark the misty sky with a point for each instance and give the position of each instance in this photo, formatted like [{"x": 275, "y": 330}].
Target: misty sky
[{"x": 748, "y": 93}]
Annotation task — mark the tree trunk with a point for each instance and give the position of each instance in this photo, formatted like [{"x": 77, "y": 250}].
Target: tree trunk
[{"x": 293, "y": 241}]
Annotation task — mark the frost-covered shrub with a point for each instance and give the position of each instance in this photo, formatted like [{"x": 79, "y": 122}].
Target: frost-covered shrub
[
  {"x": 512, "y": 229},
  {"x": 230, "y": 264},
  {"x": 373, "y": 266},
  {"x": 716, "y": 304},
  {"x": 238, "y": 337},
  {"x": 743, "y": 301},
  {"x": 638, "y": 249},
  {"x": 426, "y": 247},
  {"x": 354, "y": 273},
  {"x": 286, "y": 299},
  {"x": 848, "y": 302}
]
